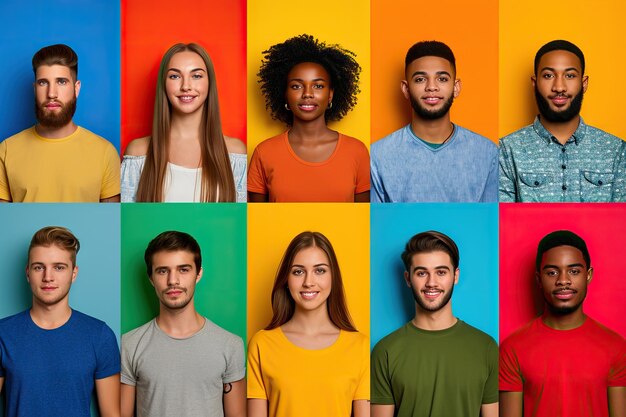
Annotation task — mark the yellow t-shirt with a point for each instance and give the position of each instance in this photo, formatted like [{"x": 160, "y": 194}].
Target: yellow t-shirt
[
  {"x": 299, "y": 382},
  {"x": 81, "y": 167}
]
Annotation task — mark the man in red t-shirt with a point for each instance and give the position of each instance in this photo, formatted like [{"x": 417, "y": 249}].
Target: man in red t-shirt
[{"x": 564, "y": 363}]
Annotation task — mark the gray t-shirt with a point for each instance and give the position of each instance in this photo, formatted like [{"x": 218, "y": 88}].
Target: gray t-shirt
[{"x": 181, "y": 377}]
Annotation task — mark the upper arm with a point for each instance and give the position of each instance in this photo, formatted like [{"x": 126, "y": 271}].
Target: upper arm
[
  {"x": 1, "y": 383},
  {"x": 511, "y": 404},
  {"x": 617, "y": 401},
  {"x": 257, "y": 407},
  {"x": 234, "y": 398},
  {"x": 235, "y": 145},
  {"x": 382, "y": 410},
  {"x": 138, "y": 147},
  {"x": 127, "y": 400},
  {"x": 490, "y": 193},
  {"x": 114, "y": 199},
  {"x": 360, "y": 408},
  {"x": 489, "y": 410},
  {"x": 108, "y": 393},
  {"x": 257, "y": 198},
  {"x": 506, "y": 176},
  {"x": 363, "y": 197}
]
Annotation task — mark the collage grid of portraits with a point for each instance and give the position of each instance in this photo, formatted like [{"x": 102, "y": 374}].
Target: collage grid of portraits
[{"x": 119, "y": 48}]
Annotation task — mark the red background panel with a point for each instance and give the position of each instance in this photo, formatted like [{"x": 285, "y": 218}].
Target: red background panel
[
  {"x": 602, "y": 226},
  {"x": 150, "y": 27}
]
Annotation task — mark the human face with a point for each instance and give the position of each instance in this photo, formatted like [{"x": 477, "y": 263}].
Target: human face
[
  {"x": 559, "y": 86},
  {"x": 50, "y": 273},
  {"x": 55, "y": 95},
  {"x": 563, "y": 277},
  {"x": 174, "y": 278},
  {"x": 309, "y": 91},
  {"x": 310, "y": 279},
  {"x": 430, "y": 86},
  {"x": 432, "y": 278},
  {"x": 187, "y": 82}
]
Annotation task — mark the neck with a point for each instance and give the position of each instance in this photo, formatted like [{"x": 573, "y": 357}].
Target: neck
[
  {"x": 562, "y": 131},
  {"x": 180, "y": 322},
  {"x": 434, "y": 320},
  {"x": 57, "y": 132},
  {"x": 311, "y": 131},
  {"x": 433, "y": 131},
  {"x": 565, "y": 321},
  {"x": 50, "y": 316},
  {"x": 186, "y": 126},
  {"x": 311, "y": 321}
]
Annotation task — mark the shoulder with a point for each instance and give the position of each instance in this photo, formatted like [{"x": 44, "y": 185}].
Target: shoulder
[
  {"x": 216, "y": 332},
  {"x": 234, "y": 145},
  {"x": 138, "y": 147},
  {"x": 477, "y": 335},
  {"x": 88, "y": 321},
  {"x": 522, "y": 334},
  {"x": 392, "y": 339},
  {"x": 390, "y": 141},
  {"x": 272, "y": 142},
  {"x": 264, "y": 336},
  {"x": 353, "y": 145},
  {"x": 476, "y": 139},
  {"x": 93, "y": 138},
  {"x": 15, "y": 320},
  {"x": 518, "y": 136},
  {"x": 134, "y": 336},
  {"x": 356, "y": 337},
  {"x": 28, "y": 132},
  {"x": 600, "y": 134},
  {"x": 609, "y": 335}
]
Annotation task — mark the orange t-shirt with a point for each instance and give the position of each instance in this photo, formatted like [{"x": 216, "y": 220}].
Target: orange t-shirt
[{"x": 277, "y": 171}]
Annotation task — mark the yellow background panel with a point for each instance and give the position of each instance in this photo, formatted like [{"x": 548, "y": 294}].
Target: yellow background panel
[
  {"x": 595, "y": 26},
  {"x": 469, "y": 28},
  {"x": 344, "y": 22},
  {"x": 270, "y": 229}
]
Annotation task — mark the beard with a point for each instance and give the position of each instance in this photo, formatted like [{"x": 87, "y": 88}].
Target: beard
[
  {"x": 563, "y": 310},
  {"x": 177, "y": 304},
  {"x": 561, "y": 116},
  {"x": 56, "y": 120},
  {"x": 447, "y": 296},
  {"x": 427, "y": 114}
]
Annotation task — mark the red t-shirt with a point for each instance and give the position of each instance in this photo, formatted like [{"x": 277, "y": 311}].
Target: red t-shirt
[
  {"x": 563, "y": 373},
  {"x": 277, "y": 171}
]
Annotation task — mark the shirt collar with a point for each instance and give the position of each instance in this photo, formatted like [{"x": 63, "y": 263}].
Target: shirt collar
[{"x": 578, "y": 135}]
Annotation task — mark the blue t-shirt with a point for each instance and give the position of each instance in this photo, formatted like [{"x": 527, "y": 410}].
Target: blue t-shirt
[
  {"x": 405, "y": 169},
  {"x": 52, "y": 372}
]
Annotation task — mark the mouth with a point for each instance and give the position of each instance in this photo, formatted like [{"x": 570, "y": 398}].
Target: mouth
[
  {"x": 560, "y": 100},
  {"x": 186, "y": 99},
  {"x": 174, "y": 292},
  {"x": 307, "y": 107},
  {"x": 432, "y": 100},
  {"x": 564, "y": 294},
  {"x": 52, "y": 105},
  {"x": 308, "y": 295},
  {"x": 432, "y": 294},
  {"x": 48, "y": 288}
]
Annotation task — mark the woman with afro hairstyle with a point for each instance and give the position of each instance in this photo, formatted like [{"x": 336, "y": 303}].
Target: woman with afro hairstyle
[
  {"x": 306, "y": 84},
  {"x": 188, "y": 158}
]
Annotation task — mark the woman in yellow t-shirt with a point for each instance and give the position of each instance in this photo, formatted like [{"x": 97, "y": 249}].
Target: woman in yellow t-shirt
[{"x": 310, "y": 361}]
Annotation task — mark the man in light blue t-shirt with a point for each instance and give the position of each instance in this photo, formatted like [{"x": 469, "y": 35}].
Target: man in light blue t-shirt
[{"x": 432, "y": 159}]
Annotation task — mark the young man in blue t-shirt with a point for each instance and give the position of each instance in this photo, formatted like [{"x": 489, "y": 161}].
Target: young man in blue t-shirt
[{"x": 50, "y": 355}]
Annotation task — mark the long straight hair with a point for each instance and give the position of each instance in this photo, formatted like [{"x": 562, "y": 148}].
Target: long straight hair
[
  {"x": 283, "y": 305},
  {"x": 217, "y": 182}
]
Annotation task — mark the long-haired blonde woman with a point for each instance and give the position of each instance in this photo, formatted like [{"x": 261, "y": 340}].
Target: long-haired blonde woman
[
  {"x": 310, "y": 360},
  {"x": 187, "y": 158}
]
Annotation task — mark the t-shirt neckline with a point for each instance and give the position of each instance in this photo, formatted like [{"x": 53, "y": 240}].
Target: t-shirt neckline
[{"x": 314, "y": 164}]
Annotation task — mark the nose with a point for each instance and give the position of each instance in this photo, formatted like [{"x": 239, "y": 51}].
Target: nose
[
  {"x": 52, "y": 91},
  {"x": 308, "y": 281},
  {"x": 47, "y": 275},
  {"x": 172, "y": 279},
  {"x": 307, "y": 91},
  {"x": 559, "y": 85},
  {"x": 186, "y": 84},
  {"x": 431, "y": 85},
  {"x": 430, "y": 280},
  {"x": 563, "y": 279}
]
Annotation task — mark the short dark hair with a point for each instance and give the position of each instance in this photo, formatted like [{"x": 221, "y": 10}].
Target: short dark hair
[
  {"x": 561, "y": 238},
  {"x": 427, "y": 242},
  {"x": 429, "y": 48},
  {"x": 171, "y": 241},
  {"x": 58, "y": 54},
  {"x": 340, "y": 64},
  {"x": 560, "y": 45},
  {"x": 57, "y": 236}
]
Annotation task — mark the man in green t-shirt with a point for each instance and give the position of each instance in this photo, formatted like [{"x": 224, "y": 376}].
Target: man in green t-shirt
[{"x": 436, "y": 365}]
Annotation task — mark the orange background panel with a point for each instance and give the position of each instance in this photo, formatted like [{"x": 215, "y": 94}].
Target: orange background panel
[
  {"x": 150, "y": 27},
  {"x": 596, "y": 27},
  {"x": 470, "y": 29}
]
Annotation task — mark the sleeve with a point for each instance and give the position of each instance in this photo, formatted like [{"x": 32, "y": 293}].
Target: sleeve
[
  {"x": 510, "y": 374},
  {"x": 363, "y": 388},
  {"x": 490, "y": 393},
  {"x": 127, "y": 376},
  {"x": 256, "y": 386},
  {"x": 619, "y": 185},
  {"x": 107, "y": 354},
  {"x": 111, "y": 176},
  {"x": 234, "y": 362},
  {"x": 2, "y": 371},
  {"x": 381, "y": 381},
  {"x": 363, "y": 169},
  {"x": 617, "y": 374},
  {"x": 508, "y": 192},
  {"x": 5, "y": 191},
  {"x": 130, "y": 175},
  {"x": 239, "y": 165},
  {"x": 490, "y": 194},
  {"x": 257, "y": 181},
  {"x": 377, "y": 194}
]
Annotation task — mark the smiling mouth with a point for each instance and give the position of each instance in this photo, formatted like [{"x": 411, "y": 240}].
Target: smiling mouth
[
  {"x": 432, "y": 294},
  {"x": 559, "y": 100},
  {"x": 566, "y": 294},
  {"x": 309, "y": 295},
  {"x": 432, "y": 100},
  {"x": 307, "y": 107},
  {"x": 186, "y": 99}
]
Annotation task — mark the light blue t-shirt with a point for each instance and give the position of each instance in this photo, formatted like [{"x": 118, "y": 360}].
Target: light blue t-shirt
[
  {"x": 51, "y": 373},
  {"x": 405, "y": 169}
]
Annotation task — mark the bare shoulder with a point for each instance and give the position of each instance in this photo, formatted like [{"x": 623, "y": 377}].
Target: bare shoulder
[
  {"x": 138, "y": 147},
  {"x": 235, "y": 145}
]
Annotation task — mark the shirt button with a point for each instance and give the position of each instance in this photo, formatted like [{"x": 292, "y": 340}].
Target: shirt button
[
  {"x": 563, "y": 166},
  {"x": 562, "y": 149},
  {"x": 600, "y": 182},
  {"x": 564, "y": 187},
  {"x": 536, "y": 182}
]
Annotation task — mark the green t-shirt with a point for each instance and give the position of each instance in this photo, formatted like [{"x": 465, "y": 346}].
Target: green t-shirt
[{"x": 443, "y": 373}]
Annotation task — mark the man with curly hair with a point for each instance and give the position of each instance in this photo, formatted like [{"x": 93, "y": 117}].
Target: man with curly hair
[{"x": 432, "y": 159}]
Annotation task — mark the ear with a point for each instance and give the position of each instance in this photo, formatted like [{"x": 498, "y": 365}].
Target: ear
[
  {"x": 27, "y": 272},
  {"x": 538, "y": 280},
  {"x": 199, "y": 277},
  {"x": 74, "y": 273},
  {"x": 533, "y": 81},
  {"x": 404, "y": 86},
  {"x": 589, "y": 275},
  {"x": 457, "y": 91},
  {"x": 585, "y": 85},
  {"x": 456, "y": 276},
  {"x": 330, "y": 100},
  {"x": 151, "y": 281},
  {"x": 77, "y": 88},
  {"x": 407, "y": 279}
]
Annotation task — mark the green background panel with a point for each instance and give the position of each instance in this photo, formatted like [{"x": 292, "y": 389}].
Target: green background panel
[{"x": 220, "y": 229}]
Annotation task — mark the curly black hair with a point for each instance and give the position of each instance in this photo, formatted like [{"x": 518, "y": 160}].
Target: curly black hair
[{"x": 279, "y": 59}]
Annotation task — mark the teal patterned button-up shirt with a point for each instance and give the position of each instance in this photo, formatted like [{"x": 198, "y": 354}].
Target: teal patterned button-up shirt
[{"x": 589, "y": 167}]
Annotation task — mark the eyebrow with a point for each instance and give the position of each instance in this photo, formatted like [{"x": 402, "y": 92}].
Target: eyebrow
[
  {"x": 53, "y": 263},
  {"x": 302, "y": 266},
  {"x": 425, "y": 73},
  {"x": 179, "y": 71},
  {"x": 437, "y": 267},
  {"x": 175, "y": 266},
  {"x": 557, "y": 267},
  {"x": 554, "y": 70}
]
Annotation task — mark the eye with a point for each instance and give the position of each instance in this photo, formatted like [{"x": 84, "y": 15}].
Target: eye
[
  {"x": 570, "y": 75},
  {"x": 37, "y": 268},
  {"x": 297, "y": 272},
  {"x": 62, "y": 82},
  {"x": 173, "y": 76},
  {"x": 318, "y": 86},
  {"x": 295, "y": 86},
  {"x": 443, "y": 79},
  {"x": 419, "y": 79},
  {"x": 197, "y": 76},
  {"x": 442, "y": 272},
  {"x": 59, "y": 267},
  {"x": 420, "y": 273},
  {"x": 552, "y": 272},
  {"x": 547, "y": 75},
  {"x": 184, "y": 269},
  {"x": 161, "y": 271},
  {"x": 320, "y": 271},
  {"x": 574, "y": 271},
  {"x": 42, "y": 83}
]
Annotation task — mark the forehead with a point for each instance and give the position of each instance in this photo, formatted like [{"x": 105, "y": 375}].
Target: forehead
[
  {"x": 52, "y": 253},
  {"x": 429, "y": 64},
  {"x": 187, "y": 60},
  {"x": 559, "y": 60},
  {"x": 431, "y": 259},
  {"x": 172, "y": 258},
  {"x": 53, "y": 72},
  {"x": 311, "y": 255},
  {"x": 562, "y": 255},
  {"x": 308, "y": 70}
]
